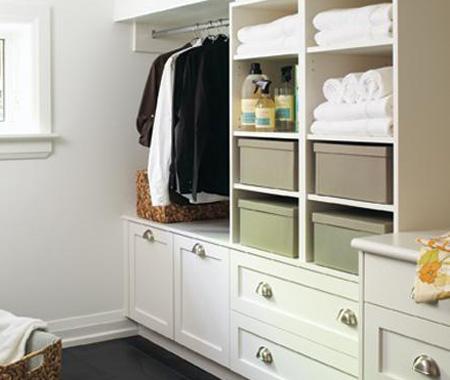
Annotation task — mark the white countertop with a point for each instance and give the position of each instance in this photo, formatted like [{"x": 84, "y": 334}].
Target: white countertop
[{"x": 402, "y": 246}]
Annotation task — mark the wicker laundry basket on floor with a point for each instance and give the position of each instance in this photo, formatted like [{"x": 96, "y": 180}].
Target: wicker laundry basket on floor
[
  {"x": 42, "y": 361},
  {"x": 174, "y": 213}
]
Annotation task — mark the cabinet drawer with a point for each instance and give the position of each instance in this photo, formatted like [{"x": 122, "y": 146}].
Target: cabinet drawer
[
  {"x": 394, "y": 290},
  {"x": 263, "y": 352},
  {"x": 394, "y": 341},
  {"x": 287, "y": 296}
]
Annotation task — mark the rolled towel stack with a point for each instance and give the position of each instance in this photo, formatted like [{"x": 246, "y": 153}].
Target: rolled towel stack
[
  {"x": 361, "y": 104},
  {"x": 365, "y": 24},
  {"x": 280, "y": 35}
]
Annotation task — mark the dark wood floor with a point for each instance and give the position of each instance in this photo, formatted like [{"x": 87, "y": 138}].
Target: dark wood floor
[{"x": 127, "y": 359}]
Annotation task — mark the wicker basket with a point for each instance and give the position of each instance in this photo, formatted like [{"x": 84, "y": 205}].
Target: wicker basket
[
  {"x": 43, "y": 362},
  {"x": 174, "y": 213}
]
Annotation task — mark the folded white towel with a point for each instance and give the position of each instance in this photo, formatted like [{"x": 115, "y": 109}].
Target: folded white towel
[
  {"x": 333, "y": 90},
  {"x": 362, "y": 128},
  {"x": 269, "y": 47},
  {"x": 351, "y": 88},
  {"x": 283, "y": 27},
  {"x": 377, "y": 84},
  {"x": 375, "y": 109},
  {"x": 354, "y": 34},
  {"x": 370, "y": 15},
  {"x": 14, "y": 334}
]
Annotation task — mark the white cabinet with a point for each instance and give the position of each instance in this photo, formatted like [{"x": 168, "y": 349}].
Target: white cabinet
[
  {"x": 150, "y": 274},
  {"x": 202, "y": 298}
]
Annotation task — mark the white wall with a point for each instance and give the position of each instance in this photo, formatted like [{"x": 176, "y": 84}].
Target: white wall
[{"x": 60, "y": 228}]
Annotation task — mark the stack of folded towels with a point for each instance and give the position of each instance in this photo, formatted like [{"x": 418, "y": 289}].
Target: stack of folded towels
[
  {"x": 361, "y": 104},
  {"x": 280, "y": 35},
  {"x": 354, "y": 25}
]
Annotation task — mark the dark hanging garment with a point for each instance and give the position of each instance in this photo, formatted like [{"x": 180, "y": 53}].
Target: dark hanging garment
[{"x": 149, "y": 101}]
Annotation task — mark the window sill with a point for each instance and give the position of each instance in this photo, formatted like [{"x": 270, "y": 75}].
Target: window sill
[{"x": 26, "y": 146}]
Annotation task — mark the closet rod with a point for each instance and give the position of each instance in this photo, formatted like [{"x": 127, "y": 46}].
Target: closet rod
[{"x": 191, "y": 28}]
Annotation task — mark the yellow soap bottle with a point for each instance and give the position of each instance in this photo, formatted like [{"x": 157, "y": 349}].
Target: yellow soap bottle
[{"x": 265, "y": 108}]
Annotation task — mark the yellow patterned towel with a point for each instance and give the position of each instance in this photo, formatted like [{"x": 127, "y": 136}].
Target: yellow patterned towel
[{"x": 433, "y": 270}]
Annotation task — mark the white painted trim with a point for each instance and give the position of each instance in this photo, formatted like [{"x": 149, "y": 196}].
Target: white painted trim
[
  {"x": 93, "y": 328},
  {"x": 26, "y": 146}
]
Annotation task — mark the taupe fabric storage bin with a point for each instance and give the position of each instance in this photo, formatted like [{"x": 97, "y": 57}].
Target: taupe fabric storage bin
[
  {"x": 271, "y": 226},
  {"x": 334, "y": 231},
  {"x": 269, "y": 163},
  {"x": 359, "y": 172}
]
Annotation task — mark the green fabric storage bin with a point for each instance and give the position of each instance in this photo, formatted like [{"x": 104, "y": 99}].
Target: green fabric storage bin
[
  {"x": 270, "y": 226},
  {"x": 354, "y": 171},
  {"x": 334, "y": 231},
  {"x": 269, "y": 163}
]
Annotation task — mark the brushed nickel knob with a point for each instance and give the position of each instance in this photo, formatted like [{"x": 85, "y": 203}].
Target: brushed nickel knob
[
  {"x": 199, "y": 250},
  {"x": 264, "y": 290},
  {"x": 264, "y": 355},
  {"x": 149, "y": 236},
  {"x": 348, "y": 317},
  {"x": 427, "y": 366}
]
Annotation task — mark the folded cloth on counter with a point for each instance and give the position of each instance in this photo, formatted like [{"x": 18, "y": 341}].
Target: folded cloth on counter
[
  {"x": 351, "y": 88},
  {"x": 14, "y": 334},
  {"x": 375, "y": 109},
  {"x": 433, "y": 270},
  {"x": 377, "y": 84},
  {"x": 361, "y": 128},
  {"x": 373, "y": 15},
  {"x": 354, "y": 34},
  {"x": 268, "y": 47},
  {"x": 333, "y": 90},
  {"x": 283, "y": 27}
]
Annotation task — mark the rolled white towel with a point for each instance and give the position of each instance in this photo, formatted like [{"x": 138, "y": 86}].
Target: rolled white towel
[
  {"x": 352, "y": 90},
  {"x": 369, "y": 15},
  {"x": 283, "y": 27},
  {"x": 361, "y": 128},
  {"x": 375, "y": 109},
  {"x": 333, "y": 90},
  {"x": 354, "y": 34},
  {"x": 377, "y": 84}
]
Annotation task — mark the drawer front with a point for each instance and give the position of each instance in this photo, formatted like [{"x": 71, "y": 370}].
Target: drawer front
[
  {"x": 263, "y": 352},
  {"x": 150, "y": 278},
  {"x": 395, "y": 342},
  {"x": 286, "y": 296},
  {"x": 394, "y": 291},
  {"x": 202, "y": 298}
]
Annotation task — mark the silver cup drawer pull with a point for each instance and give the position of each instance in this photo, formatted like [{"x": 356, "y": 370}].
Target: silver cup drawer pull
[
  {"x": 348, "y": 317},
  {"x": 149, "y": 236},
  {"x": 199, "y": 250},
  {"x": 264, "y": 290},
  {"x": 426, "y": 366},
  {"x": 264, "y": 355}
]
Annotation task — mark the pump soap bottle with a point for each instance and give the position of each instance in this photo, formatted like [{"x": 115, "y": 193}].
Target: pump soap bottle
[
  {"x": 265, "y": 108},
  {"x": 285, "y": 102},
  {"x": 250, "y": 97}
]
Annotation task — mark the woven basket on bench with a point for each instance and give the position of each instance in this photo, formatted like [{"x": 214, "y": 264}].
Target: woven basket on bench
[
  {"x": 42, "y": 361},
  {"x": 174, "y": 213}
]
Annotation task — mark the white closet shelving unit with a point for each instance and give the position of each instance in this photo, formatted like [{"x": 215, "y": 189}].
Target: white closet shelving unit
[{"x": 419, "y": 123}]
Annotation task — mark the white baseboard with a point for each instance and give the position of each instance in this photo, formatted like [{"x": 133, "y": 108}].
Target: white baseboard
[
  {"x": 190, "y": 356},
  {"x": 93, "y": 328}
]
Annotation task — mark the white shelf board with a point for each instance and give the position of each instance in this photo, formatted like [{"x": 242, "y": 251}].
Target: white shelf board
[
  {"x": 330, "y": 272},
  {"x": 384, "y": 47},
  {"x": 284, "y": 5},
  {"x": 265, "y": 190},
  {"x": 268, "y": 135},
  {"x": 352, "y": 139},
  {"x": 269, "y": 56},
  {"x": 351, "y": 203},
  {"x": 265, "y": 254}
]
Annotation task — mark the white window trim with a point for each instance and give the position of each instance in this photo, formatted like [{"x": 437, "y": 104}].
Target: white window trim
[{"x": 39, "y": 144}]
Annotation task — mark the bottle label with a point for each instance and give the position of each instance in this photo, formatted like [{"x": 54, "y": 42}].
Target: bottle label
[
  {"x": 248, "y": 112},
  {"x": 265, "y": 118},
  {"x": 285, "y": 107}
]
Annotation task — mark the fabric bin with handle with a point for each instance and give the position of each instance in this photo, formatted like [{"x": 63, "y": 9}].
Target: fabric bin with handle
[
  {"x": 269, "y": 163},
  {"x": 334, "y": 231},
  {"x": 269, "y": 225},
  {"x": 352, "y": 171}
]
